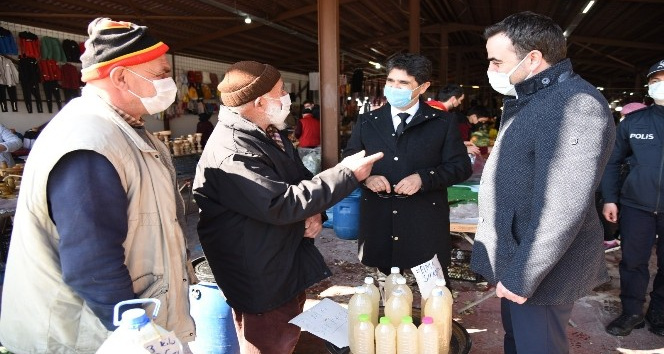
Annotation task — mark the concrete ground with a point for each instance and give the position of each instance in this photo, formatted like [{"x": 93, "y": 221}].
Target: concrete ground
[{"x": 589, "y": 317}]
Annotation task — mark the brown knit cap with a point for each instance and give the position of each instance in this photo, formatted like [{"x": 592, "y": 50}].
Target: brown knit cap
[{"x": 245, "y": 81}]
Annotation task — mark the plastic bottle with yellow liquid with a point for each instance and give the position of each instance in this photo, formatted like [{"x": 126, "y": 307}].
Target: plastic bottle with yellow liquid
[
  {"x": 397, "y": 307},
  {"x": 364, "y": 335},
  {"x": 401, "y": 284},
  {"x": 374, "y": 294},
  {"x": 359, "y": 304},
  {"x": 439, "y": 307},
  {"x": 440, "y": 283},
  {"x": 428, "y": 336},
  {"x": 391, "y": 282},
  {"x": 386, "y": 337},
  {"x": 407, "y": 340}
]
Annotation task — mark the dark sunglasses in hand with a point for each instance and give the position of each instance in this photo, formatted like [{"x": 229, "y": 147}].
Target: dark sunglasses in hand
[{"x": 392, "y": 195}]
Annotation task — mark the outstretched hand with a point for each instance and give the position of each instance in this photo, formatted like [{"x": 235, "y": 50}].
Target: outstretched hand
[{"x": 361, "y": 165}]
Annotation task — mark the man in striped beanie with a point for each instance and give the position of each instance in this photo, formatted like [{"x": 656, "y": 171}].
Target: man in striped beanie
[{"x": 97, "y": 221}]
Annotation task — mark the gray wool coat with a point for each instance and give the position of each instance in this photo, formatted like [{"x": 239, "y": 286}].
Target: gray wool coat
[{"x": 538, "y": 232}]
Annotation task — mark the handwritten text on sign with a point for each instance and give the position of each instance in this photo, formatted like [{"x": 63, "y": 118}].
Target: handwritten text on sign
[
  {"x": 426, "y": 275},
  {"x": 326, "y": 320},
  {"x": 167, "y": 344}
]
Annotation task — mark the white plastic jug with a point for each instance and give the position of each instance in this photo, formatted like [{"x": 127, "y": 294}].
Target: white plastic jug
[
  {"x": 397, "y": 307},
  {"x": 407, "y": 342},
  {"x": 386, "y": 337},
  {"x": 364, "y": 336},
  {"x": 374, "y": 294},
  {"x": 137, "y": 334},
  {"x": 359, "y": 304},
  {"x": 390, "y": 283}
]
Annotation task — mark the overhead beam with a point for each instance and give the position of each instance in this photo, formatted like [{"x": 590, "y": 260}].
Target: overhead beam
[
  {"x": 626, "y": 64},
  {"x": 258, "y": 21},
  {"x": 414, "y": 26},
  {"x": 644, "y": 1},
  {"x": 618, "y": 43},
  {"x": 119, "y": 16}
]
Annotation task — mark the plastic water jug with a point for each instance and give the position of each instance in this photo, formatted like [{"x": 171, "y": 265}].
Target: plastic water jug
[
  {"x": 407, "y": 342},
  {"x": 374, "y": 294},
  {"x": 440, "y": 309},
  {"x": 401, "y": 284},
  {"x": 428, "y": 336},
  {"x": 359, "y": 304},
  {"x": 137, "y": 334},
  {"x": 447, "y": 294},
  {"x": 397, "y": 307},
  {"x": 364, "y": 336},
  {"x": 391, "y": 282},
  {"x": 346, "y": 216},
  {"x": 386, "y": 337}
]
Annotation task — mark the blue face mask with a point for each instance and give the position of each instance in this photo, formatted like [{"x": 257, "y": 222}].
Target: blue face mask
[{"x": 399, "y": 97}]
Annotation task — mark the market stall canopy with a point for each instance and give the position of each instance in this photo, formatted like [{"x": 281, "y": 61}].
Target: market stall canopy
[{"x": 612, "y": 44}]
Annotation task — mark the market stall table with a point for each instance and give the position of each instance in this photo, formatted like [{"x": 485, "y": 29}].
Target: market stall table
[
  {"x": 463, "y": 230},
  {"x": 462, "y": 196}
]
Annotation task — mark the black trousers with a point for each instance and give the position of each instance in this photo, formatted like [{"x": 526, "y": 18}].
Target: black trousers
[
  {"x": 52, "y": 91},
  {"x": 535, "y": 328},
  {"x": 11, "y": 90},
  {"x": 638, "y": 229},
  {"x": 30, "y": 90}
]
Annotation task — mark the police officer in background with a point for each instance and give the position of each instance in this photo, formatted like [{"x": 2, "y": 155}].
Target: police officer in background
[{"x": 639, "y": 138}]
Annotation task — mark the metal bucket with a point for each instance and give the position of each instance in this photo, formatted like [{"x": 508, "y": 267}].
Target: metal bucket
[{"x": 215, "y": 329}]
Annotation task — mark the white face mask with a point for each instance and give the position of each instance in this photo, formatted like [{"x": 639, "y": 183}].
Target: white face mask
[
  {"x": 501, "y": 81},
  {"x": 165, "y": 94},
  {"x": 656, "y": 90},
  {"x": 278, "y": 116}
]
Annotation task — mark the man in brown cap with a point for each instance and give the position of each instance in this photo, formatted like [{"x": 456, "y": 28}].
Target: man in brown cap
[
  {"x": 97, "y": 217},
  {"x": 261, "y": 208}
]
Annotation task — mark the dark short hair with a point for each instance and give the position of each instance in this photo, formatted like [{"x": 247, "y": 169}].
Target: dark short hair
[
  {"x": 448, "y": 91},
  {"x": 479, "y": 111},
  {"x": 530, "y": 31},
  {"x": 413, "y": 64}
]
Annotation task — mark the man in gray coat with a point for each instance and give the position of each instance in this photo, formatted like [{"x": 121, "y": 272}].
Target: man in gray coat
[{"x": 539, "y": 238}]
